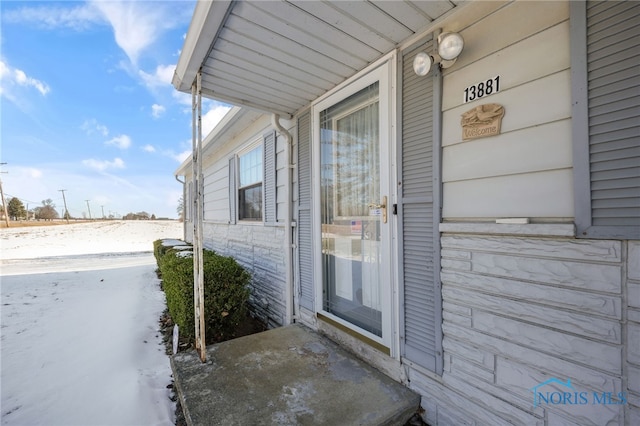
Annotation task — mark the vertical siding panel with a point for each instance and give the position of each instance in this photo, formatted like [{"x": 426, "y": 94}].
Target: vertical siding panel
[
  {"x": 613, "y": 58},
  {"x": 422, "y": 316},
  {"x": 304, "y": 230}
]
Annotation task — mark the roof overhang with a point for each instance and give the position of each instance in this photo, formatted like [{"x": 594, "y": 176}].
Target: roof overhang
[{"x": 279, "y": 56}]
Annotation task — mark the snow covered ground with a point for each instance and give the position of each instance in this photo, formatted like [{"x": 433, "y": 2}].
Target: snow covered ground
[{"x": 79, "y": 340}]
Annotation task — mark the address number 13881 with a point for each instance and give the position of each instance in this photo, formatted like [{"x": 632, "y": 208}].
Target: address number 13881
[{"x": 482, "y": 89}]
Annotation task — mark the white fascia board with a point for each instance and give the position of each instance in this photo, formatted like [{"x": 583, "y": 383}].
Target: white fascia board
[
  {"x": 185, "y": 167},
  {"x": 230, "y": 118},
  {"x": 208, "y": 18},
  {"x": 234, "y": 115}
]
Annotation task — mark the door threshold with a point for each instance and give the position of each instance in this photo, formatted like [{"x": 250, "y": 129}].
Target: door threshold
[{"x": 364, "y": 339}]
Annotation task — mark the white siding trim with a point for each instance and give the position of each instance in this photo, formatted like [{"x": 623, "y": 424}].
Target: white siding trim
[{"x": 547, "y": 230}]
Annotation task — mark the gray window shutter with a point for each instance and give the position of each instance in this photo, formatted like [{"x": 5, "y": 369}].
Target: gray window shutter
[
  {"x": 419, "y": 218},
  {"x": 233, "y": 192},
  {"x": 269, "y": 179},
  {"x": 304, "y": 231},
  {"x": 607, "y": 114}
]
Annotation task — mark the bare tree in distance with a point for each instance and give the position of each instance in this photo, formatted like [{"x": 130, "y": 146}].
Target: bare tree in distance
[
  {"x": 180, "y": 208},
  {"x": 47, "y": 211}
]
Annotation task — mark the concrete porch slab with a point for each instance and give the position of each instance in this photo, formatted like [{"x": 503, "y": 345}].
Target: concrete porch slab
[{"x": 287, "y": 376}]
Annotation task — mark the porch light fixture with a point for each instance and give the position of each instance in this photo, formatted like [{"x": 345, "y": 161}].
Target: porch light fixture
[{"x": 450, "y": 46}]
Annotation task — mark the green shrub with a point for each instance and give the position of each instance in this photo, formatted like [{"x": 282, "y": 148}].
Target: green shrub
[
  {"x": 159, "y": 250},
  {"x": 177, "y": 283},
  {"x": 225, "y": 291}
]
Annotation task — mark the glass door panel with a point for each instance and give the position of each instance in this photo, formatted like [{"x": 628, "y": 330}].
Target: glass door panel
[{"x": 351, "y": 213}]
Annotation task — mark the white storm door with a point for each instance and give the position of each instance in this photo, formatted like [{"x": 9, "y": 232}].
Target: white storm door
[{"x": 354, "y": 216}]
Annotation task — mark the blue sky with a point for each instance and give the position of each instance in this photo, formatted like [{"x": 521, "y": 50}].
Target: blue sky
[{"x": 87, "y": 104}]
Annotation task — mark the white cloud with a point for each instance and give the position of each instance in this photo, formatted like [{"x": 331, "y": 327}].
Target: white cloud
[
  {"x": 78, "y": 18},
  {"x": 102, "y": 165},
  {"x": 183, "y": 99},
  {"x": 209, "y": 121},
  {"x": 162, "y": 76},
  {"x": 137, "y": 25},
  {"x": 149, "y": 148},
  {"x": 92, "y": 126},
  {"x": 212, "y": 117},
  {"x": 122, "y": 141},
  {"x": 34, "y": 173},
  {"x": 14, "y": 76},
  {"x": 157, "y": 110},
  {"x": 4, "y": 69},
  {"x": 180, "y": 157}
]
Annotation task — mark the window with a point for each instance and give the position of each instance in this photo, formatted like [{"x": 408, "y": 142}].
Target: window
[
  {"x": 605, "y": 119},
  {"x": 250, "y": 173}
]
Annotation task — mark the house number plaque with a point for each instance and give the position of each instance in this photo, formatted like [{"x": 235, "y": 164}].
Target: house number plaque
[{"x": 482, "y": 89}]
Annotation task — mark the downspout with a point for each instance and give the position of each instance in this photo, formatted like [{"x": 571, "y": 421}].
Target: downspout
[{"x": 288, "y": 245}]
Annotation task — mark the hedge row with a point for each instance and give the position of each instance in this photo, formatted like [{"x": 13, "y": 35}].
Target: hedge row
[{"x": 226, "y": 291}]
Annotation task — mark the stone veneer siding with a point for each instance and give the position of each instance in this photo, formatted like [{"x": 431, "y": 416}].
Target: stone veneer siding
[
  {"x": 260, "y": 250},
  {"x": 520, "y": 309}
]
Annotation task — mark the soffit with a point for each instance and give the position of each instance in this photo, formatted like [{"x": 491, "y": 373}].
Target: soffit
[{"x": 278, "y": 56}]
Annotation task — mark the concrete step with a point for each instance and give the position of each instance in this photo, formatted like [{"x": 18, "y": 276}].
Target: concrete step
[{"x": 287, "y": 376}]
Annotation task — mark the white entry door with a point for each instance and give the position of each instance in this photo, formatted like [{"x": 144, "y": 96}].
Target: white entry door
[{"x": 354, "y": 163}]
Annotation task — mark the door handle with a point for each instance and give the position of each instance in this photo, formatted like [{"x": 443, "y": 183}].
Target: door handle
[{"x": 382, "y": 206}]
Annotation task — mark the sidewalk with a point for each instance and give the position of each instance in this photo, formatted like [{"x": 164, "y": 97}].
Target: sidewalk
[{"x": 287, "y": 376}]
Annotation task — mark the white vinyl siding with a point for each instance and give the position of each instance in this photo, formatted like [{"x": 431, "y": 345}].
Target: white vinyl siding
[
  {"x": 216, "y": 204},
  {"x": 526, "y": 171}
]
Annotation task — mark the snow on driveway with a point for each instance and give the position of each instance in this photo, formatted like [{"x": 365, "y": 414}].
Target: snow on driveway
[{"x": 79, "y": 340}]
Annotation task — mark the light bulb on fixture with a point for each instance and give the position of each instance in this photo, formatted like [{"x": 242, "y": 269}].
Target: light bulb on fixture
[
  {"x": 450, "y": 46},
  {"x": 422, "y": 63}
]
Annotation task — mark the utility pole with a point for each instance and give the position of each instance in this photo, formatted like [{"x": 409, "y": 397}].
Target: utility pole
[
  {"x": 88, "y": 208},
  {"x": 4, "y": 205},
  {"x": 102, "y": 207},
  {"x": 66, "y": 211}
]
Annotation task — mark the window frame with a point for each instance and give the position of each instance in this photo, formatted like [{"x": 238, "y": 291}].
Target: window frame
[{"x": 239, "y": 190}]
